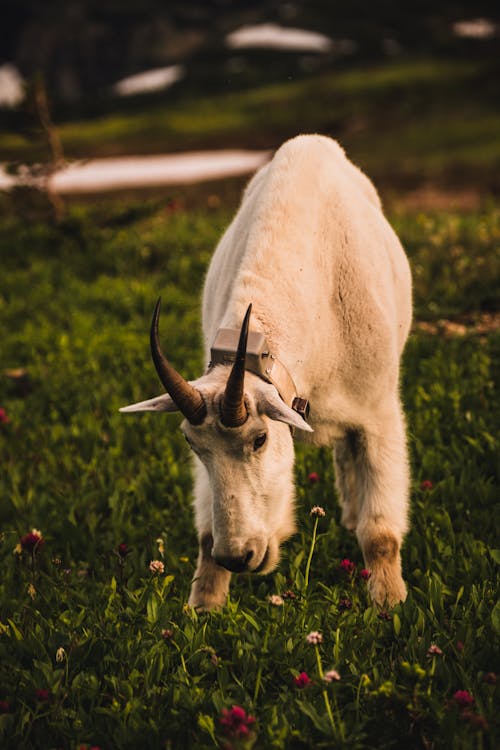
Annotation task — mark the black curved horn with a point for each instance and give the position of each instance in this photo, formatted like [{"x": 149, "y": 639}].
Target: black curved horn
[
  {"x": 188, "y": 400},
  {"x": 233, "y": 411}
]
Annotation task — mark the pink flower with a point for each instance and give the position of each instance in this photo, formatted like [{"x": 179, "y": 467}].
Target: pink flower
[
  {"x": 313, "y": 477},
  {"x": 42, "y": 695},
  {"x": 460, "y": 646},
  {"x": 314, "y": 638},
  {"x": 236, "y": 722},
  {"x": 123, "y": 550},
  {"x": 463, "y": 698},
  {"x": 426, "y": 485},
  {"x": 331, "y": 676},
  {"x": 156, "y": 567},
  {"x": 302, "y": 680},
  {"x": 348, "y": 566},
  {"x": 4, "y": 417},
  {"x": 434, "y": 650},
  {"x": 32, "y": 542},
  {"x": 167, "y": 634},
  {"x": 276, "y": 600},
  {"x": 365, "y": 574}
]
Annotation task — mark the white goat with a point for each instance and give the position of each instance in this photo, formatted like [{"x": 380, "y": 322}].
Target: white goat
[{"x": 330, "y": 287}]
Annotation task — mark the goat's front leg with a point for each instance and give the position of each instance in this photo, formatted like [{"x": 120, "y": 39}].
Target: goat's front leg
[
  {"x": 383, "y": 479},
  {"x": 210, "y": 584}
]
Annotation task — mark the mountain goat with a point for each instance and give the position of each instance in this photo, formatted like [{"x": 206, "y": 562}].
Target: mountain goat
[{"x": 311, "y": 254}]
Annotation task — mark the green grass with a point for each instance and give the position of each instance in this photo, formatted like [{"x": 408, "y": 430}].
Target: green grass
[
  {"x": 75, "y": 301},
  {"x": 412, "y": 119}
]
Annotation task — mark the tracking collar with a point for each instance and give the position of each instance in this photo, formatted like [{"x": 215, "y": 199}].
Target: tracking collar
[{"x": 261, "y": 362}]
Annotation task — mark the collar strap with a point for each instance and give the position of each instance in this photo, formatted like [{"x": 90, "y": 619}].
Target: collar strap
[{"x": 261, "y": 362}]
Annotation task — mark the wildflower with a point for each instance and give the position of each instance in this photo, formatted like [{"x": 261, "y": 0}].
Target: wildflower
[
  {"x": 18, "y": 550},
  {"x": 167, "y": 634},
  {"x": 123, "y": 550},
  {"x": 276, "y": 600},
  {"x": 60, "y": 654},
  {"x": 365, "y": 574},
  {"x": 490, "y": 678},
  {"x": 384, "y": 616},
  {"x": 345, "y": 603},
  {"x": 4, "y": 417},
  {"x": 314, "y": 638},
  {"x": 4, "y": 707},
  {"x": 42, "y": 695},
  {"x": 313, "y": 477},
  {"x": 348, "y": 566},
  {"x": 426, "y": 485},
  {"x": 463, "y": 698},
  {"x": 331, "y": 676},
  {"x": 302, "y": 680},
  {"x": 156, "y": 567},
  {"x": 161, "y": 545},
  {"x": 460, "y": 646},
  {"x": 31, "y": 591},
  {"x": 236, "y": 722},
  {"x": 289, "y": 594},
  {"x": 434, "y": 650},
  {"x": 32, "y": 542},
  {"x": 317, "y": 510}
]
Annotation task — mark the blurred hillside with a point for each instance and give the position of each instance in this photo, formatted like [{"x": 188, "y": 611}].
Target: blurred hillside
[{"x": 411, "y": 90}]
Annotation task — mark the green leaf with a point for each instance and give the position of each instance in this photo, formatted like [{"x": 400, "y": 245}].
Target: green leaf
[
  {"x": 396, "y": 622},
  {"x": 495, "y": 555},
  {"x": 495, "y": 617}
]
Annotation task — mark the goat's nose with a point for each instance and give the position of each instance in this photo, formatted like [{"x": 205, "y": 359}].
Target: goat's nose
[{"x": 235, "y": 564}]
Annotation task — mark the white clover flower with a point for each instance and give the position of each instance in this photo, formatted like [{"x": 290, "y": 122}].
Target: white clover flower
[
  {"x": 331, "y": 676},
  {"x": 314, "y": 638},
  {"x": 276, "y": 600},
  {"x": 317, "y": 510},
  {"x": 156, "y": 567}
]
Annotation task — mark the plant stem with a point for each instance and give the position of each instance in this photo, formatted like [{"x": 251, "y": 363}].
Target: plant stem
[
  {"x": 311, "y": 551},
  {"x": 324, "y": 691}
]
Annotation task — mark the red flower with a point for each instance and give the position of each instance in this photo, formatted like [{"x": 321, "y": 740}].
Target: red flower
[
  {"x": 42, "y": 695},
  {"x": 313, "y": 477},
  {"x": 4, "y": 707},
  {"x": 236, "y": 721},
  {"x": 123, "y": 550},
  {"x": 348, "y": 566},
  {"x": 32, "y": 541},
  {"x": 4, "y": 417},
  {"x": 302, "y": 680},
  {"x": 460, "y": 646},
  {"x": 463, "y": 698},
  {"x": 426, "y": 485},
  {"x": 365, "y": 574}
]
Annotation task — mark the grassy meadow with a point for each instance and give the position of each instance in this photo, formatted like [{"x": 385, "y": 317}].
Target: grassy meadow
[{"x": 98, "y": 651}]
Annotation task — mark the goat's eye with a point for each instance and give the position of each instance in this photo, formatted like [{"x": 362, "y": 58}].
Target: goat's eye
[{"x": 259, "y": 441}]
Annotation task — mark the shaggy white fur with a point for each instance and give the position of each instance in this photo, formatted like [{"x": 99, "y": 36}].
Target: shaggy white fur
[{"x": 330, "y": 286}]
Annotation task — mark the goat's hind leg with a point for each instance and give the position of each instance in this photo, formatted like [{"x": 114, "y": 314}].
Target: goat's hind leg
[
  {"x": 346, "y": 478},
  {"x": 383, "y": 479}
]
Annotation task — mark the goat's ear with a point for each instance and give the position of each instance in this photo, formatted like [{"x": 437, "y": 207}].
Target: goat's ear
[
  {"x": 160, "y": 403},
  {"x": 270, "y": 403}
]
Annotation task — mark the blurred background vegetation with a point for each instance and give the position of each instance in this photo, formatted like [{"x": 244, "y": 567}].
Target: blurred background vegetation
[{"x": 411, "y": 90}]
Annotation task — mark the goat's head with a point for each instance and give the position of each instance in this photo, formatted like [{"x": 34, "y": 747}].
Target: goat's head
[{"x": 238, "y": 428}]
